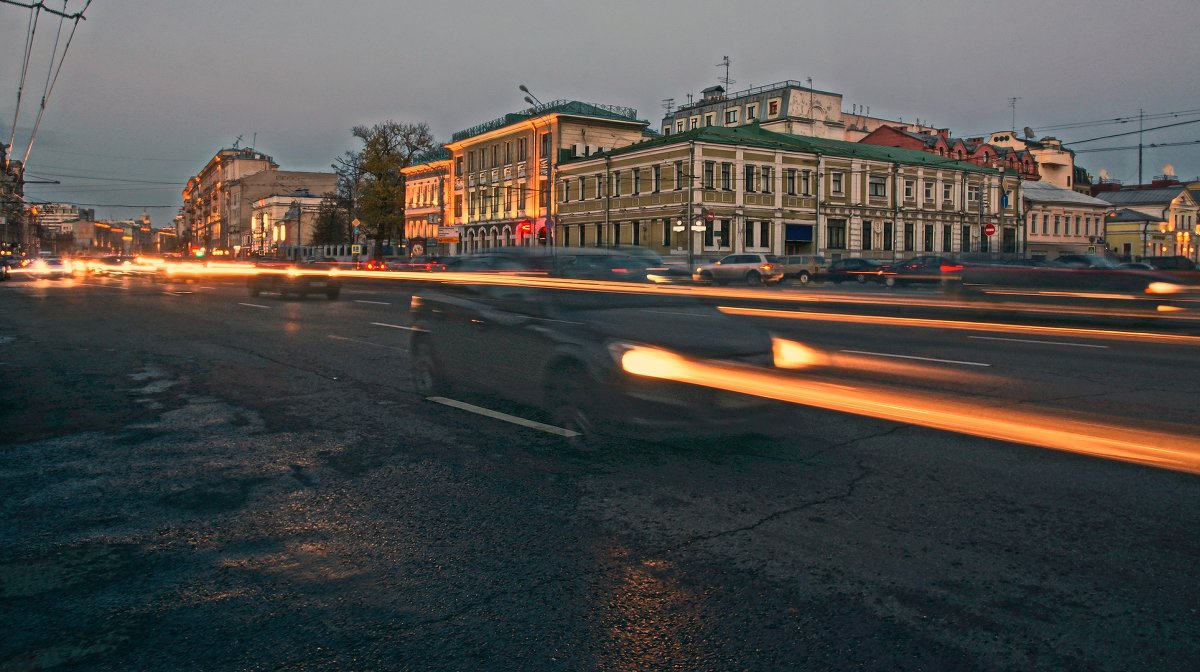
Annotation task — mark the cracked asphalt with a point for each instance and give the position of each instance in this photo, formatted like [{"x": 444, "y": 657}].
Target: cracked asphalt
[{"x": 191, "y": 484}]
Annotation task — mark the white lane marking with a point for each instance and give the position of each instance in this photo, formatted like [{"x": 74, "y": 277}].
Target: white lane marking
[
  {"x": 92, "y": 284},
  {"x": 208, "y": 288},
  {"x": 396, "y": 326},
  {"x": 924, "y": 359},
  {"x": 377, "y": 303},
  {"x": 677, "y": 312},
  {"x": 1027, "y": 340},
  {"x": 176, "y": 293},
  {"x": 362, "y": 342},
  {"x": 516, "y": 420},
  {"x": 252, "y": 305}
]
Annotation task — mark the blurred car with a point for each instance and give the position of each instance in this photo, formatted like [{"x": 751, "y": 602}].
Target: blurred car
[
  {"x": 928, "y": 268},
  {"x": 6, "y": 262},
  {"x": 1178, "y": 267},
  {"x": 754, "y": 269},
  {"x": 601, "y": 264},
  {"x": 415, "y": 264},
  {"x": 300, "y": 279},
  {"x": 110, "y": 265},
  {"x": 1136, "y": 266},
  {"x": 1106, "y": 285},
  {"x": 49, "y": 268},
  {"x": 855, "y": 269},
  {"x": 375, "y": 265},
  {"x": 1084, "y": 261},
  {"x": 561, "y": 351},
  {"x": 804, "y": 268}
]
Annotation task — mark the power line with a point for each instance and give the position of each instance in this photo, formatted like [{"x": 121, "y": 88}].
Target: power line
[
  {"x": 30, "y": 31},
  {"x": 1150, "y": 146},
  {"x": 50, "y": 89},
  {"x": 1118, "y": 135},
  {"x": 131, "y": 180},
  {"x": 1118, "y": 120}
]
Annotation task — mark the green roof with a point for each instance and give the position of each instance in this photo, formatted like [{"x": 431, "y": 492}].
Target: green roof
[
  {"x": 755, "y": 136},
  {"x": 572, "y": 107}
]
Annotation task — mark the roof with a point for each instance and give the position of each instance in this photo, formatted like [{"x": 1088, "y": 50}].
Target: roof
[
  {"x": 1043, "y": 192},
  {"x": 569, "y": 107},
  {"x": 1142, "y": 196},
  {"x": 1127, "y": 215},
  {"x": 755, "y": 136}
]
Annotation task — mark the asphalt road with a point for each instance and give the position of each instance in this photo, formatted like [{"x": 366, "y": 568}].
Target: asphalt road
[{"x": 194, "y": 479}]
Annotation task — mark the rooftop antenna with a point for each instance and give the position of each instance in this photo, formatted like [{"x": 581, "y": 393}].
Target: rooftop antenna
[
  {"x": 237, "y": 142},
  {"x": 1012, "y": 102},
  {"x": 725, "y": 80},
  {"x": 669, "y": 105},
  {"x": 689, "y": 100},
  {"x": 254, "y": 142}
]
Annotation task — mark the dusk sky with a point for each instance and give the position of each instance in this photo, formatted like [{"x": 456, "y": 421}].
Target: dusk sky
[{"x": 150, "y": 90}]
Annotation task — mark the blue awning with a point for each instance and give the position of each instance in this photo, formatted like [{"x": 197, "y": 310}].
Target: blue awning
[{"x": 799, "y": 233}]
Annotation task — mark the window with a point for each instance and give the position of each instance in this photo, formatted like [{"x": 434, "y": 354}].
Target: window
[
  {"x": 544, "y": 192},
  {"x": 751, "y": 177},
  {"x": 458, "y": 166},
  {"x": 910, "y": 237},
  {"x": 508, "y": 152},
  {"x": 508, "y": 199},
  {"x": 520, "y": 149},
  {"x": 495, "y": 155},
  {"x": 910, "y": 188},
  {"x": 751, "y": 112},
  {"x": 1046, "y": 225},
  {"x": 679, "y": 177},
  {"x": 772, "y": 108},
  {"x": 866, "y": 234},
  {"x": 545, "y": 146},
  {"x": 731, "y": 116},
  {"x": 789, "y": 181},
  {"x": 727, "y": 176},
  {"x": 805, "y": 183},
  {"x": 1057, "y": 219},
  {"x": 637, "y": 181},
  {"x": 1087, "y": 226},
  {"x": 1077, "y": 225},
  {"x": 835, "y": 234},
  {"x": 877, "y": 186},
  {"x": 928, "y": 247},
  {"x": 965, "y": 245},
  {"x": 615, "y": 185},
  {"x": 679, "y": 126},
  {"x": 666, "y": 232},
  {"x": 748, "y": 230},
  {"x": 972, "y": 193},
  {"x": 521, "y": 195},
  {"x": 693, "y": 122},
  {"x": 928, "y": 191},
  {"x": 764, "y": 233},
  {"x": 709, "y": 167},
  {"x": 708, "y": 119},
  {"x": 458, "y": 205},
  {"x": 887, "y": 235},
  {"x": 947, "y": 238},
  {"x": 766, "y": 179},
  {"x": 470, "y": 162},
  {"x": 947, "y": 193},
  {"x": 566, "y": 236},
  {"x": 599, "y": 235},
  {"x": 599, "y": 186},
  {"x": 657, "y": 179},
  {"x": 471, "y": 203},
  {"x": 582, "y": 184},
  {"x": 836, "y": 182}
]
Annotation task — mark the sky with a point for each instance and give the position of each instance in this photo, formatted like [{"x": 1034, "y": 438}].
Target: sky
[{"x": 151, "y": 89}]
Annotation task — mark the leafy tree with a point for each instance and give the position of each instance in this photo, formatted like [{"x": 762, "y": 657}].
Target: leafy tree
[
  {"x": 333, "y": 224},
  {"x": 388, "y": 147}
]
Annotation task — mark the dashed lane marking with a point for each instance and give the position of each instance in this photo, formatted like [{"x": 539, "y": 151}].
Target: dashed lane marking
[
  {"x": 1027, "y": 340},
  {"x": 924, "y": 359},
  {"x": 497, "y": 415},
  {"x": 252, "y": 305},
  {"x": 377, "y": 303}
]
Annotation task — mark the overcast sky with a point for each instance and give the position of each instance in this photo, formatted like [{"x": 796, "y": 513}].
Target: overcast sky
[{"x": 151, "y": 89}]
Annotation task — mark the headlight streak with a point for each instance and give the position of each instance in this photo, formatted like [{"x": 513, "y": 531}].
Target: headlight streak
[
  {"x": 960, "y": 325},
  {"x": 1180, "y": 452}
]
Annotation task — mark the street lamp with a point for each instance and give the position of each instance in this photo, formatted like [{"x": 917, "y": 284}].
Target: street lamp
[{"x": 529, "y": 98}]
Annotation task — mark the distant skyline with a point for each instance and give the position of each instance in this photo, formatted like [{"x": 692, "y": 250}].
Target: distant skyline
[{"x": 149, "y": 91}]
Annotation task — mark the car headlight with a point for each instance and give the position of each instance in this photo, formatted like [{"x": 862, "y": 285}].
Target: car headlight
[
  {"x": 1163, "y": 288},
  {"x": 793, "y": 355}
]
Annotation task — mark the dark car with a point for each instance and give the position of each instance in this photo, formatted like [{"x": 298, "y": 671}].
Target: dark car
[
  {"x": 593, "y": 264},
  {"x": 1084, "y": 261},
  {"x": 6, "y": 264},
  {"x": 111, "y": 265},
  {"x": 562, "y": 351},
  {"x": 298, "y": 278},
  {"x": 927, "y": 268},
  {"x": 855, "y": 269}
]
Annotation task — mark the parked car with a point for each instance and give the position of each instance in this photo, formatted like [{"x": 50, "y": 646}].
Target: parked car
[
  {"x": 855, "y": 269},
  {"x": 927, "y": 268},
  {"x": 754, "y": 269},
  {"x": 6, "y": 262},
  {"x": 1179, "y": 267},
  {"x": 561, "y": 351},
  {"x": 301, "y": 279},
  {"x": 804, "y": 268}
]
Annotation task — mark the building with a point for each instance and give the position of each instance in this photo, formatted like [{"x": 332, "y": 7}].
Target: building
[
  {"x": 427, "y": 191},
  {"x": 14, "y": 227},
  {"x": 218, "y": 201},
  {"x": 503, "y": 169},
  {"x": 1172, "y": 224},
  {"x": 973, "y": 150},
  {"x": 1056, "y": 164},
  {"x": 753, "y": 190},
  {"x": 1062, "y": 221},
  {"x": 783, "y": 107},
  {"x": 54, "y": 216},
  {"x": 280, "y": 221}
]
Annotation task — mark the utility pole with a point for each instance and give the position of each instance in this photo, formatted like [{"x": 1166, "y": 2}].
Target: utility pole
[
  {"x": 1012, "y": 102},
  {"x": 1141, "y": 113}
]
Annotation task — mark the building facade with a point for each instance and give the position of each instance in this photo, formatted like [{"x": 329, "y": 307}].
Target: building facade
[
  {"x": 503, "y": 169},
  {"x": 14, "y": 222},
  {"x": 281, "y": 221},
  {"x": 1062, "y": 221},
  {"x": 1171, "y": 227},
  {"x": 427, "y": 193},
  {"x": 973, "y": 150},
  {"x": 206, "y": 199},
  {"x": 1056, "y": 164},
  {"x": 752, "y": 190}
]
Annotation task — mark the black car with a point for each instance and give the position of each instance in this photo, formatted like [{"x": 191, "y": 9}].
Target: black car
[
  {"x": 300, "y": 278},
  {"x": 563, "y": 352},
  {"x": 855, "y": 269},
  {"x": 927, "y": 268}
]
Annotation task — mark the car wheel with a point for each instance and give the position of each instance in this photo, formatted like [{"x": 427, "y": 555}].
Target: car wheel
[
  {"x": 427, "y": 376},
  {"x": 889, "y": 281},
  {"x": 705, "y": 276},
  {"x": 803, "y": 278},
  {"x": 753, "y": 278},
  {"x": 567, "y": 394},
  {"x": 862, "y": 279}
]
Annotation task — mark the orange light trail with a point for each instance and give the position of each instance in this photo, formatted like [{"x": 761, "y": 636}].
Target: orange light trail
[
  {"x": 1180, "y": 452},
  {"x": 961, "y": 325}
]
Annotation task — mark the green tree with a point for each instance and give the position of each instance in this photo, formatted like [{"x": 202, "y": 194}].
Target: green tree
[
  {"x": 388, "y": 147},
  {"x": 332, "y": 224}
]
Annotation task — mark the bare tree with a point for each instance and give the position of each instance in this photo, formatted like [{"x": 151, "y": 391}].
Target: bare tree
[{"x": 388, "y": 147}]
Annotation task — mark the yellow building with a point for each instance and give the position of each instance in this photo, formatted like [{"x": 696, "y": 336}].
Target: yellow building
[
  {"x": 427, "y": 191},
  {"x": 1156, "y": 222},
  {"x": 503, "y": 169},
  {"x": 751, "y": 190}
]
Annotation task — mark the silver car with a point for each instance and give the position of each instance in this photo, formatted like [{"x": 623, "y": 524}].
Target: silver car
[
  {"x": 804, "y": 267},
  {"x": 755, "y": 269}
]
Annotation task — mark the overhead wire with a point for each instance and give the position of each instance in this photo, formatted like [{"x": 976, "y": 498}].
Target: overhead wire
[
  {"x": 52, "y": 81},
  {"x": 30, "y": 31}
]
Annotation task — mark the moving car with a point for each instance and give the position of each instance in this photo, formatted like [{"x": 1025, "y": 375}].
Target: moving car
[
  {"x": 755, "y": 269},
  {"x": 804, "y": 268},
  {"x": 301, "y": 279},
  {"x": 561, "y": 351},
  {"x": 49, "y": 268},
  {"x": 855, "y": 269},
  {"x": 927, "y": 268}
]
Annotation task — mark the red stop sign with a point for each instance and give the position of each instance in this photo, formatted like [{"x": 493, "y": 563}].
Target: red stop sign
[
  {"x": 710, "y": 216},
  {"x": 989, "y": 229}
]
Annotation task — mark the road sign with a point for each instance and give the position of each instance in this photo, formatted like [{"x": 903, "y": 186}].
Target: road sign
[
  {"x": 989, "y": 229},
  {"x": 710, "y": 216},
  {"x": 356, "y": 249},
  {"x": 447, "y": 232}
]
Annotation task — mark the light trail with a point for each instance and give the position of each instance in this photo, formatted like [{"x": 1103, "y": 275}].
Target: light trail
[
  {"x": 961, "y": 325},
  {"x": 1180, "y": 452}
]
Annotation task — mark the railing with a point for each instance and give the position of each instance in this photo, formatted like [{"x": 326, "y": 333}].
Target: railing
[{"x": 564, "y": 106}]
